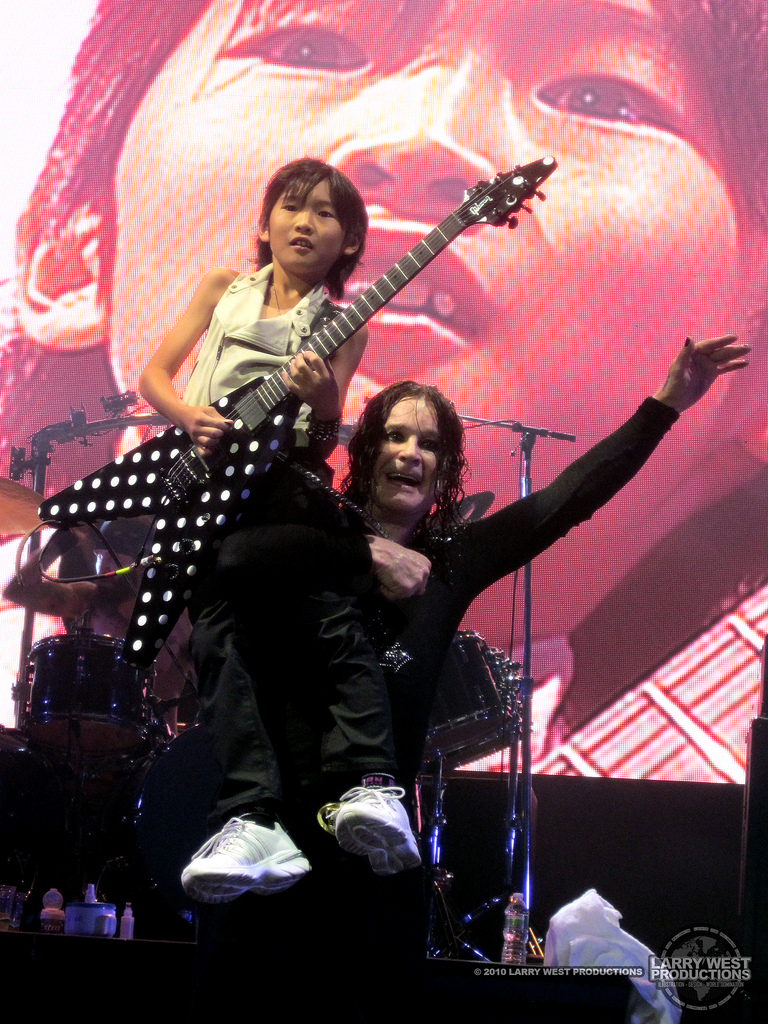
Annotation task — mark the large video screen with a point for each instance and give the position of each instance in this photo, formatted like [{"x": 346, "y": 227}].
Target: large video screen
[{"x": 170, "y": 117}]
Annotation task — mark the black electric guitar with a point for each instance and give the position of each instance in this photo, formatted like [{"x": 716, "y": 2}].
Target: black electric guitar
[{"x": 197, "y": 501}]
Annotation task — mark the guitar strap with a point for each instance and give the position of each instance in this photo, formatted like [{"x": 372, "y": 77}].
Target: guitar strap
[{"x": 339, "y": 499}]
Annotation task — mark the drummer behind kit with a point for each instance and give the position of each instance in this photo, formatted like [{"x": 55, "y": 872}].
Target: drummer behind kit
[{"x": 83, "y": 693}]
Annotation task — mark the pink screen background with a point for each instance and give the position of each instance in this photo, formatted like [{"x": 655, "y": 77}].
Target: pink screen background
[{"x": 649, "y": 619}]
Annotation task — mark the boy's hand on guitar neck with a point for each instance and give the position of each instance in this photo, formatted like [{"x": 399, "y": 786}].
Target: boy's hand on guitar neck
[{"x": 313, "y": 381}]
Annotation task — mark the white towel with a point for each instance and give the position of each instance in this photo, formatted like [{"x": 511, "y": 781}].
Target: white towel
[{"x": 586, "y": 933}]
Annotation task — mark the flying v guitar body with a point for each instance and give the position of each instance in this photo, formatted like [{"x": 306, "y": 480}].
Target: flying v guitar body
[{"x": 195, "y": 502}]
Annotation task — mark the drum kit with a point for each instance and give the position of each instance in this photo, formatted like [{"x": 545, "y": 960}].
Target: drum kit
[
  {"x": 88, "y": 725},
  {"x": 92, "y": 768}
]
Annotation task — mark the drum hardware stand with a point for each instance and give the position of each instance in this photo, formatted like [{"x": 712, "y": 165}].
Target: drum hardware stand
[
  {"x": 518, "y": 826},
  {"x": 439, "y": 909},
  {"x": 37, "y": 464},
  {"x": 116, "y": 405},
  {"x": 89, "y": 782}
]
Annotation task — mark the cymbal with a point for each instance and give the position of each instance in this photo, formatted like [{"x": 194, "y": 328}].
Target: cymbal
[
  {"x": 18, "y": 507},
  {"x": 474, "y": 506}
]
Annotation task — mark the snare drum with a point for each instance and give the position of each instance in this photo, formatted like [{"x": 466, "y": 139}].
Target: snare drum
[
  {"x": 471, "y": 706},
  {"x": 84, "y": 695}
]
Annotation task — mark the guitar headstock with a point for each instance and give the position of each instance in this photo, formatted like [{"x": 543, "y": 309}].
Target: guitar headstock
[{"x": 496, "y": 201}]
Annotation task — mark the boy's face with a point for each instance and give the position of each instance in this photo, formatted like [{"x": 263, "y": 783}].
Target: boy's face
[
  {"x": 306, "y": 236},
  {"x": 638, "y": 225}
]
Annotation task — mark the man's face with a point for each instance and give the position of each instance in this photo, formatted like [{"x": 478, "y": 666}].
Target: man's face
[
  {"x": 405, "y": 474},
  {"x": 566, "y": 323}
]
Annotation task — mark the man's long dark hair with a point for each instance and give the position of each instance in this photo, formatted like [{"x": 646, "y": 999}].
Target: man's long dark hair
[
  {"x": 366, "y": 442},
  {"x": 297, "y": 179}
]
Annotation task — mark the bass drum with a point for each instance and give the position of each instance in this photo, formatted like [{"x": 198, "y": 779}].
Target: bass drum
[
  {"x": 475, "y": 697},
  {"x": 170, "y": 822},
  {"x": 32, "y": 809},
  {"x": 84, "y": 696}
]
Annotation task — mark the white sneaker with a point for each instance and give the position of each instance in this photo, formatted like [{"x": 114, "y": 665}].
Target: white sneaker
[
  {"x": 372, "y": 822},
  {"x": 244, "y": 857}
]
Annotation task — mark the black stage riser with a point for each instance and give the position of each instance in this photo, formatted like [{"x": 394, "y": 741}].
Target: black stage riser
[{"x": 665, "y": 854}]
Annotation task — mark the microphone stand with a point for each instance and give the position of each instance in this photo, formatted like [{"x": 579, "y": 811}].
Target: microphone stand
[{"x": 517, "y": 875}]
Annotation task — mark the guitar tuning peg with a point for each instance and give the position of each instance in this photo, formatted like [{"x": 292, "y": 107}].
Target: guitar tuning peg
[
  {"x": 526, "y": 208},
  {"x": 512, "y": 222},
  {"x": 540, "y": 195}
]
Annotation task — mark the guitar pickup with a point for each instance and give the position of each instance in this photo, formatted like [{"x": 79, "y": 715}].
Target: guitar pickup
[{"x": 189, "y": 473}]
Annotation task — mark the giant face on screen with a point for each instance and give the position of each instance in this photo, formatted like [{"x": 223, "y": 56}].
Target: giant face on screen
[{"x": 651, "y": 232}]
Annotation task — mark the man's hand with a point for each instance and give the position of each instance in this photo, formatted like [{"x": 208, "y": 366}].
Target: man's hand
[
  {"x": 697, "y": 366},
  {"x": 401, "y": 572}
]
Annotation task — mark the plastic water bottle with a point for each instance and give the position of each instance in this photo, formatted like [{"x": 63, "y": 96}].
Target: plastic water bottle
[
  {"x": 126, "y": 923},
  {"x": 52, "y": 916},
  {"x": 514, "y": 950}
]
